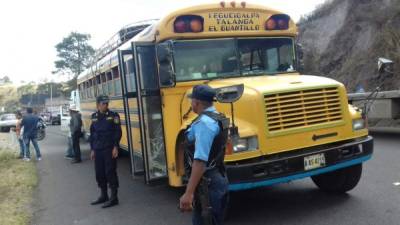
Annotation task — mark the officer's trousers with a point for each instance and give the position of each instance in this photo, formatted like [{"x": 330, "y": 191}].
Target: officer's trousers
[
  {"x": 106, "y": 168},
  {"x": 218, "y": 196}
]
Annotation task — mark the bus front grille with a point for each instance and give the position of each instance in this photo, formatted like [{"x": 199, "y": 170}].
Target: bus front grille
[{"x": 302, "y": 108}]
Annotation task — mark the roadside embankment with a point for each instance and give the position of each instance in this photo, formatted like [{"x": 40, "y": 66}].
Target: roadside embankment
[
  {"x": 343, "y": 39},
  {"x": 18, "y": 180}
]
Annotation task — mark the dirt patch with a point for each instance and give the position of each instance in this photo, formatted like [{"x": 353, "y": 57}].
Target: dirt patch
[{"x": 3, "y": 194}]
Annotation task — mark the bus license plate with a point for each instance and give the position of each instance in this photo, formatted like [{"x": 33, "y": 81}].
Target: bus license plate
[{"x": 314, "y": 161}]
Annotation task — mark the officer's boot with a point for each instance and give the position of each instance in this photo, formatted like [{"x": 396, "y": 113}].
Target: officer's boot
[
  {"x": 113, "y": 199},
  {"x": 103, "y": 197}
]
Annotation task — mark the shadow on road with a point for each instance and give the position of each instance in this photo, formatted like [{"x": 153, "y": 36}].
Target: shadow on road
[{"x": 286, "y": 204}]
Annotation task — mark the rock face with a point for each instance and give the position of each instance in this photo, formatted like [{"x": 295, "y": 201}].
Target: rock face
[{"x": 343, "y": 39}]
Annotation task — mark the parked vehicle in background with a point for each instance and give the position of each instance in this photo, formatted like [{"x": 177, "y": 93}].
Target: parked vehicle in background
[
  {"x": 55, "y": 120},
  {"x": 7, "y": 121}
]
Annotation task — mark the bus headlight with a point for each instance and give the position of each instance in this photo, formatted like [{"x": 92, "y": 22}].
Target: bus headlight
[
  {"x": 358, "y": 124},
  {"x": 246, "y": 144}
]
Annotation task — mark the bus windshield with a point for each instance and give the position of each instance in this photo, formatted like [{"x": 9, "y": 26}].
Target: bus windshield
[{"x": 221, "y": 58}]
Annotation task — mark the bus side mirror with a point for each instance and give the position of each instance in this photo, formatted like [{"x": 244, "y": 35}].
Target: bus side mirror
[
  {"x": 385, "y": 66},
  {"x": 165, "y": 64},
  {"x": 229, "y": 94},
  {"x": 299, "y": 57}
]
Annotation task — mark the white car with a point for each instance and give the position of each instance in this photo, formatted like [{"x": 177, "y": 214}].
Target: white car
[{"x": 7, "y": 121}]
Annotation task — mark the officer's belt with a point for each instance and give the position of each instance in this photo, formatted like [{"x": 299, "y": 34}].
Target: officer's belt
[{"x": 212, "y": 171}]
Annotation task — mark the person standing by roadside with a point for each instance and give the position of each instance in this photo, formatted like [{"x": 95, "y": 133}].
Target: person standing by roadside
[
  {"x": 19, "y": 132},
  {"x": 70, "y": 150},
  {"x": 75, "y": 126},
  {"x": 29, "y": 124},
  {"x": 105, "y": 134}
]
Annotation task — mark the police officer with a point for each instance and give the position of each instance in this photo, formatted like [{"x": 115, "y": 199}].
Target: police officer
[
  {"x": 105, "y": 134},
  {"x": 205, "y": 146}
]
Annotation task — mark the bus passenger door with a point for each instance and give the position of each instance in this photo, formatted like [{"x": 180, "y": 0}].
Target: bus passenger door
[
  {"x": 127, "y": 71},
  {"x": 150, "y": 113}
]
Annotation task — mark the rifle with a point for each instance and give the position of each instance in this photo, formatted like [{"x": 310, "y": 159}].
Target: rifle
[{"x": 202, "y": 200}]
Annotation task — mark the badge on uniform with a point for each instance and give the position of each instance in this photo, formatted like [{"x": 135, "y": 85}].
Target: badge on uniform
[{"x": 116, "y": 120}]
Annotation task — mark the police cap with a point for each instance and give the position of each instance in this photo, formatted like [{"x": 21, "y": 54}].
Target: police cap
[
  {"x": 203, "y": 92},
  {"x": 102, "y": 99}
]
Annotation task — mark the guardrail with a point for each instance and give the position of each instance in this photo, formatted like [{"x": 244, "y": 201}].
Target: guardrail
[{"x": 384, "y": 114}]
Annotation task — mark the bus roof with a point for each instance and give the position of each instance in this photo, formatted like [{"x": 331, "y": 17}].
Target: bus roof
[
  {"x": 106, "y": 55},
  {"x": 224, "y": 19}
]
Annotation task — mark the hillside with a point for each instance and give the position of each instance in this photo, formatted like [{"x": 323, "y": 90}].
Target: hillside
[
  {"x": 8, "y": 97},
  {"x": 342, "y": 39}
]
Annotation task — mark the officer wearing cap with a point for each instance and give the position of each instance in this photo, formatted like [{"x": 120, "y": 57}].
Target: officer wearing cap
[
  {"x": 205, "y": 146},
  {"x": 105, "y": 134}
]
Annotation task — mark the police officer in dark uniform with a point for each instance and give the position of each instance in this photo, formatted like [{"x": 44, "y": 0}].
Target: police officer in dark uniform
[
  {"x": 105, "y": 134},
  {"x": 207, "y": 189}
]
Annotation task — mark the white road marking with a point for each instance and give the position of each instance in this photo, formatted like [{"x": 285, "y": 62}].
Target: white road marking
[{"x": 396, "y": 183}]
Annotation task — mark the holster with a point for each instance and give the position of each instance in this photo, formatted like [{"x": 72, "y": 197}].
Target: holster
[{"x": 202, "y": 201}]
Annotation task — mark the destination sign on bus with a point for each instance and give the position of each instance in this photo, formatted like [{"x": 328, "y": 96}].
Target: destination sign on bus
[{"x": 233, "y": 21}]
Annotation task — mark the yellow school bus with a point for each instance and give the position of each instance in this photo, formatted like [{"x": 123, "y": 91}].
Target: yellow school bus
[{"x": 290, "y": 126}]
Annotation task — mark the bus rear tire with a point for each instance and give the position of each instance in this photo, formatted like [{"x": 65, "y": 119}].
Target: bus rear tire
[{"x": 339, "y": 181}]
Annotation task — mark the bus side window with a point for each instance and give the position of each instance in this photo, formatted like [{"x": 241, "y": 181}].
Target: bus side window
[
  {"x": 88, "y": 93},
  {"x": 103, "y": 84},
  {"x": 117, "y": 82},
  {"x": 130, "y": 77},
  {"x": 87, "y": 90},
  {"x": 146, "y": 59},
  {"x": 110, "y": 83},
  {"x": 80, "y": 91},
  {"x": 80, "y": 88},
  {"x": 98, "y": 86},
  {"x": 92, "y": 84}
]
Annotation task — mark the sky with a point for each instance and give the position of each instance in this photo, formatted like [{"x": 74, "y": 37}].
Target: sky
[{"x": 31, "y": 29}]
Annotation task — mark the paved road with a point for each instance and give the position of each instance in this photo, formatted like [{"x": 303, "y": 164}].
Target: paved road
[{"x": 65, "y": 191}]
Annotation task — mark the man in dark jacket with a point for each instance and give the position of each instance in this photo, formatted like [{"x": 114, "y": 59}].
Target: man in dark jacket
[
  {"x": 29, "y": 123},
  {"x": 75, "y": 126},
  {"x": 105, "y": 134}
]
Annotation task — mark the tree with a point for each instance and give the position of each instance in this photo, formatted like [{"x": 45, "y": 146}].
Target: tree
[
  {"x": 75, "y": 54},
  {"x": 9, "y": 98},
  {"x": 6, "y": 80},
  {"x": 29, "y": 88}
]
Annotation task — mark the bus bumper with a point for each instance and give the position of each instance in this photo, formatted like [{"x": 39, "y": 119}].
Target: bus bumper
[{"x": 285, "y": 167}]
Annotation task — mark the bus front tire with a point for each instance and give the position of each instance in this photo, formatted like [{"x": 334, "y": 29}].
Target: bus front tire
[{"x": 339, "y": 181}]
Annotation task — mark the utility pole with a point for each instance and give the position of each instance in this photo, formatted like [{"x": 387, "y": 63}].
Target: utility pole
[{"x": 51, "y": 95}]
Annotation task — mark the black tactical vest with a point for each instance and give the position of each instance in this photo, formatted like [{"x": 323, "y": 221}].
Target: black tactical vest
[{"x": 217, "y": 152}]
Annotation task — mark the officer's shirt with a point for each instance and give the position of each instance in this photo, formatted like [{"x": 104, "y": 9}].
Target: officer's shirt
[
  {"x": 105, "y": 130},
  {"x": 203, "y": 132}
]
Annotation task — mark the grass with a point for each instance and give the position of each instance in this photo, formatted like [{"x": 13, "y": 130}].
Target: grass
[{"x": 18, "y": 179}]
